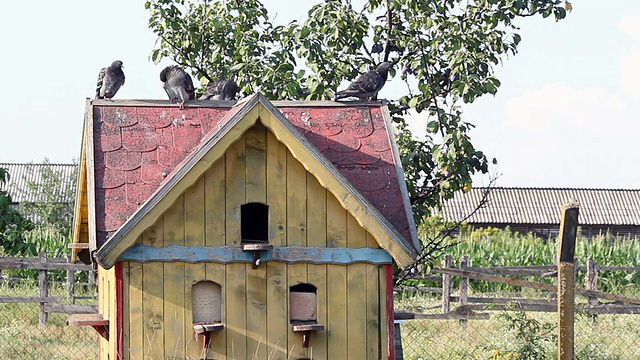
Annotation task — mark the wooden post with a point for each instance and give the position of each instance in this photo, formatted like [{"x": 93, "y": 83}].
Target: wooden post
[
  {"x": 464, "y": 288},
  {"x": 591, "y": 280},
  {"x": 446, "y": 285},
  {"x": 71, "y": 284},
  {"x": 566, "y": 284},
  {"x": 44, "y": 290}
]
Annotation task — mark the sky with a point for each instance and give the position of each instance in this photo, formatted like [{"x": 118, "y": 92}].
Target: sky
[{"x": 567, "y": 113}]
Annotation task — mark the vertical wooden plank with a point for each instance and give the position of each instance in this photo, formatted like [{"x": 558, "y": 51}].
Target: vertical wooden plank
[
  {"x": 336, "y": 223},
  {"x": 256, "y": 162},
  {"x": 373, "y": 312},
  {"x": 194, "y": 235},
  {"x": 384, "y": 295},
  {"x": 256, "y": 191},
  {"x": 356, "y": 290},
  {"x": 235, "y": 299},
  {"x": 218, "y": 344},
  {"x": 277, "y": 284},
  {"x": 337, "y": 282},
  {"x": 256, "y": 312},
  {"x": 373, "y": 305},
  {"x": 103, "y": 308},
  {"x": 235, "y": 183},
  {"x": 110, "y": 284},
  {"x": 215, "y": 204},
  {"x": 215, "y": 234},
  {"x": 126, "y": 310},
  {"x": 317, "y": 274},
  {"x": 152, "y": 297},
  {"x": 277, "y": 310},
  {"x": 277, "y": 190},
  {"x": 316, "y": 213},
  {"x": 296, "y": 202},
  {"x": 337, "y": 312},
  {"x": 236, "y": 311},
  {"x": 136, "y": 321},
  {"x": 296, "y": 274},
  {"x": 174, "y": 320}
]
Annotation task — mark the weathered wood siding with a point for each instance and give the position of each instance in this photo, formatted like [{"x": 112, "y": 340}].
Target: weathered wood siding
[
  {"x": 255, "y": 309},
  {"x": 106, "y": 283}
]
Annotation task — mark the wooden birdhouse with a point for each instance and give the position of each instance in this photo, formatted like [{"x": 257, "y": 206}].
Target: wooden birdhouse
[{"x": 256, "y": 230}]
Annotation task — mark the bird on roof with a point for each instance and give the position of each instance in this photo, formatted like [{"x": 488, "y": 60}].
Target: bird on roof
[
  {"x": 110, "y": 79},
  {"x": 366, "y": 85},
  {"x": 220, "y": 89},
  {"x": 178, "y": 84}
]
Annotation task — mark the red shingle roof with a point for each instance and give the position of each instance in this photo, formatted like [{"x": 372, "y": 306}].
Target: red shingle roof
[{"x": 137, "y": 148}]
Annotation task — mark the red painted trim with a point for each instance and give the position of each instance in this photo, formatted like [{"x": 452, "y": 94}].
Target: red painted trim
[
  {"x": 391, "y": 349},
  {"x": 119, "y": 331}
]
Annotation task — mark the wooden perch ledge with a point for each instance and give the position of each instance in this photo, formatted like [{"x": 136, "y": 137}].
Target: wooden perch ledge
[{"x": 100, "y": 324}]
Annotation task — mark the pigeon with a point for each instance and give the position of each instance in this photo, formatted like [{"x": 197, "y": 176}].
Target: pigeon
[
  {"x": 220, "y": 89},
  {"x": 366, "y": 85},
  {"x": 177, "y": 84},
  {"x": 110, "y": 79}
]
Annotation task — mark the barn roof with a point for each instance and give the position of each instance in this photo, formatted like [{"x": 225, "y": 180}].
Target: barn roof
[
  {"x": 514, "y": 205},
  {"x": 141, "y": 154},
  {"x": 22, "y": 175}
]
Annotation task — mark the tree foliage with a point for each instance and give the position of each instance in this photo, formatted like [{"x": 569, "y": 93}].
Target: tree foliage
[
  {"x": 444, "y": 53},
  {"x": 53, "y": 207},
  {"x": 12, "y": 224}
]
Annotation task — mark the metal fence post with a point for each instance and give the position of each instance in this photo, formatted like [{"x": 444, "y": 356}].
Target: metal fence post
[{"x": 566, "y": 277}]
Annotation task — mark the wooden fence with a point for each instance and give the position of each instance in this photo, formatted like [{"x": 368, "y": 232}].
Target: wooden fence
[
  {"x": 468, "y": 306},
  {"x": 49, "y": 304}
]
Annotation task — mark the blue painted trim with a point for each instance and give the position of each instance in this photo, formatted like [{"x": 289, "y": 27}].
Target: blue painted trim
[{"x": 230, "y": 254}]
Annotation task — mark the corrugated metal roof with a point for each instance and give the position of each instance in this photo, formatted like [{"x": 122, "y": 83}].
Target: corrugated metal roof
[
  {"x": 544, "y": 206},
  {"x": 21, "y": 175}
]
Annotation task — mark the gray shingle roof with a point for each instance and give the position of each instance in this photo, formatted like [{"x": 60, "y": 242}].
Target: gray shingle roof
[
  {"x": 23, "y": 174},
  {"x": 544, "y": 205}
]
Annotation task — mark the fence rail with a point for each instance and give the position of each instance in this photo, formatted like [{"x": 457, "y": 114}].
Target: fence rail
[
  {"x": 467, "y": 305},
  {"x": 49, "y": 304}
]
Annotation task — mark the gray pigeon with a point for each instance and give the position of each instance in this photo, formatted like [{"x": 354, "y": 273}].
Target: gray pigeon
[
  {"x": 366, "y": 85},
  {"x": 110, "y": 79},
  {"x": 177, "y": 84},
  {"x": 220, "y": 89}
]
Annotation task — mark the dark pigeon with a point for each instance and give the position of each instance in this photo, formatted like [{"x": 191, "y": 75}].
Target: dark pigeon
[
  {"x": 221, "y": 89},
  {"x": 110, "y": 79},
  {"x": 177, "y": 84},
  {"x": 366, "y": 85}
]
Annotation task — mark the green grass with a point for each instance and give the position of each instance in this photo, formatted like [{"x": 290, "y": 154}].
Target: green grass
[
  {"x": 609, "y": 337},
  {"x": 23, "y": 337}
]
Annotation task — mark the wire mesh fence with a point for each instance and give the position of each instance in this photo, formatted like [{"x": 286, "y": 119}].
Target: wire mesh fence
[
  {"x": 35, "y": 302},
  {"x": 465, "y": 317}
]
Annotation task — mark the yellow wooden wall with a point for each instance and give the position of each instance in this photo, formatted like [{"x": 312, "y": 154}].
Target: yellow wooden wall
[
  {"x": 106, "y": 283},
  {"x": 157, "y": 308}
]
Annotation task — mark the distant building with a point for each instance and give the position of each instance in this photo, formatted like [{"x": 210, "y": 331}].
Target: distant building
[
  {"x": 27, "y": 184},
  {"x": 538, "y": 210}
]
